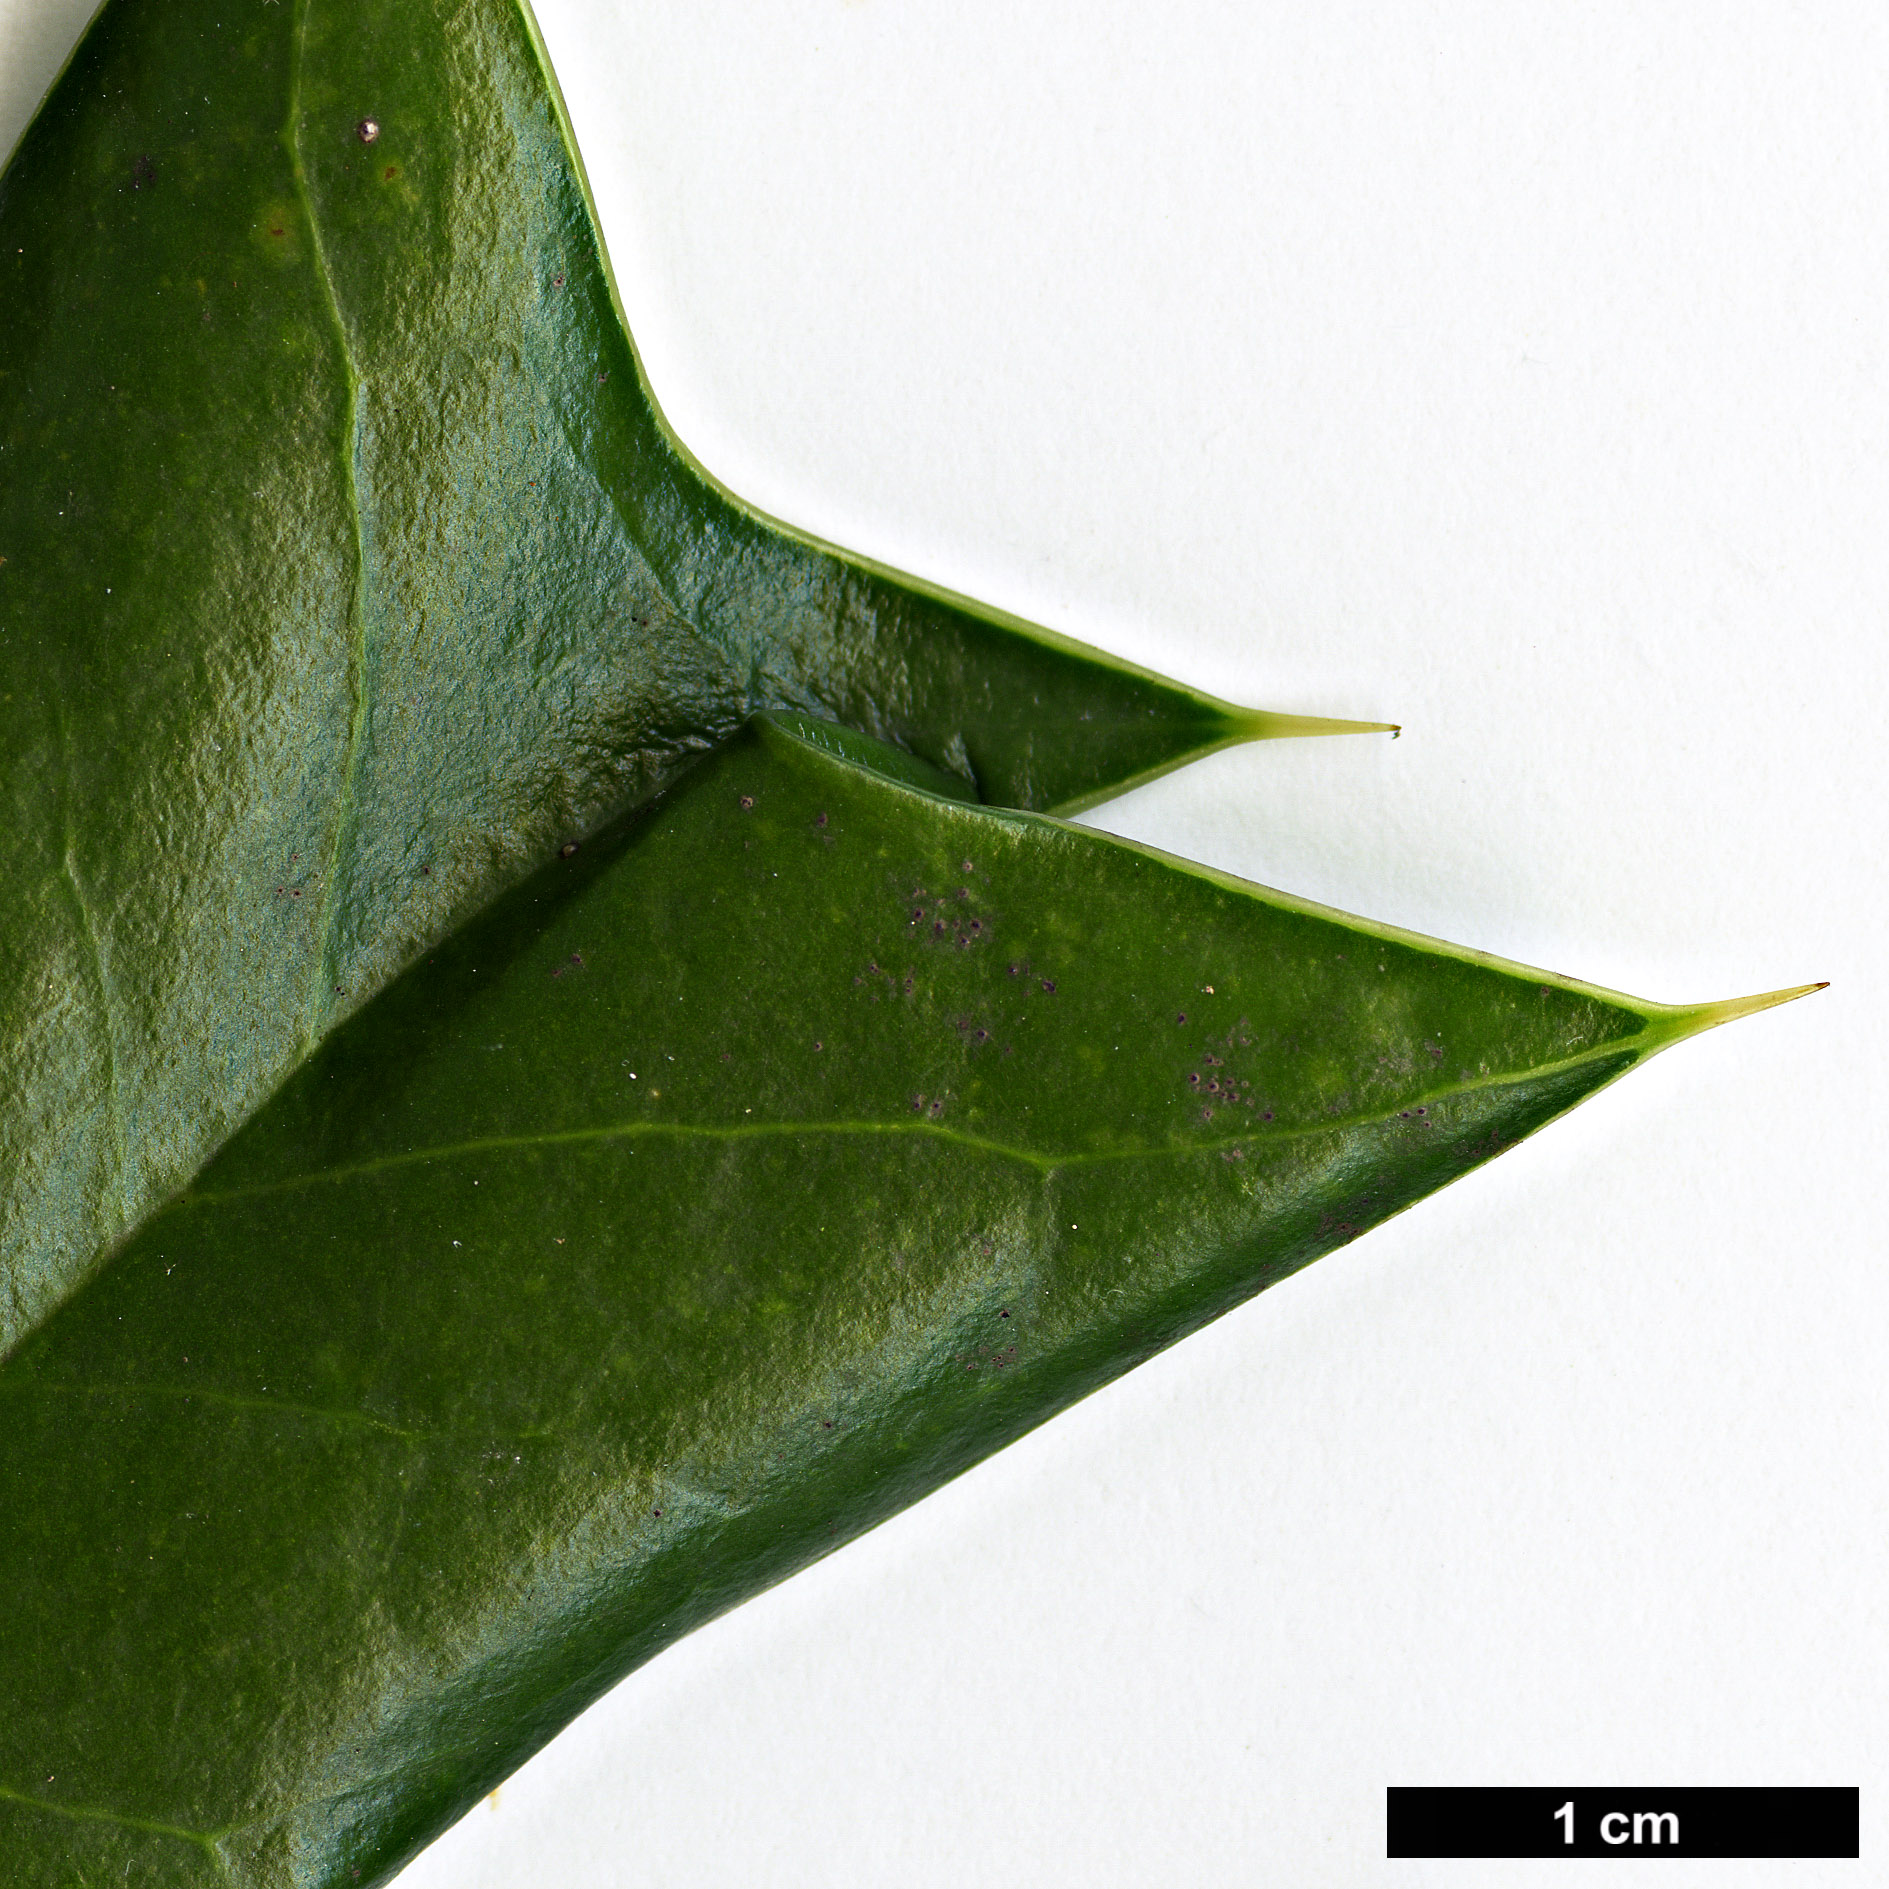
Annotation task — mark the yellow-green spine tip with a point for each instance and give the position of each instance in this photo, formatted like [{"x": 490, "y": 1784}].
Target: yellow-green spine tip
[
  {"x": 1675, "y": 1023},
  {"x": 1257, "y": 725}
]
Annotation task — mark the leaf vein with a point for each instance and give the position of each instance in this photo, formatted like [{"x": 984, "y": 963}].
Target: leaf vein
[
  {"x": 275, "y": 1406},
  {"x": 1253, "y": 1136},
  {"x": 108, "y": 1021},
  {"x": 205, "y": 1840},
  {"x": 357, "y": 612}
]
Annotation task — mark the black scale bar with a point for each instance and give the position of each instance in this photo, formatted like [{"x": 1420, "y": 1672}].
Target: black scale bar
[{"x": 1582, "y": 1821}]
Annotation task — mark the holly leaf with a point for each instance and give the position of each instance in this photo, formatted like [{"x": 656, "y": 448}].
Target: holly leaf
[
  {"x": 350, "y": 568},
  {"x": 727, "y": 1187}
]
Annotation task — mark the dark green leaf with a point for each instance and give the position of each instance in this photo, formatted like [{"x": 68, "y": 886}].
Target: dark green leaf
[
  {"x": 724, "y": 1189},
  {"x": 349, "y": 568}
]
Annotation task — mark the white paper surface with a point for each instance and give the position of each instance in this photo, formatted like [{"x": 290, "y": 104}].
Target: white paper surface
[{"x": 1513, "y": 372}]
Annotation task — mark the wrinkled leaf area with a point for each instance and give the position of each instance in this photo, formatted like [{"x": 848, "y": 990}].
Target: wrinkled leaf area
[{"x": 657, "y": 1234}]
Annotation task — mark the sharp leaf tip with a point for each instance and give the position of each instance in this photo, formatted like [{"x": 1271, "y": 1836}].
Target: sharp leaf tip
[
  {"x": 1258, "y": 725},
  {"x": 1709, "y": 1016}
]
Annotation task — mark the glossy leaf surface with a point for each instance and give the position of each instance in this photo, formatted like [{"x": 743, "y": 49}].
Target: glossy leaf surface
[
  {"x": 724, "y": 1189},
  {"x": 347, "y": 567}
]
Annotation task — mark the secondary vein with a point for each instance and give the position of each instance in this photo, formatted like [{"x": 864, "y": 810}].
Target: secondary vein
[
  {"x": 269, "y": 1407},
  {"x": 91, "y": 1813},
  {"x": 108, "y": 1023}
]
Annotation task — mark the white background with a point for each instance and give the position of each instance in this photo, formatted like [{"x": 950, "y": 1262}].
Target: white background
[{"x": 1516, "y": 372}]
